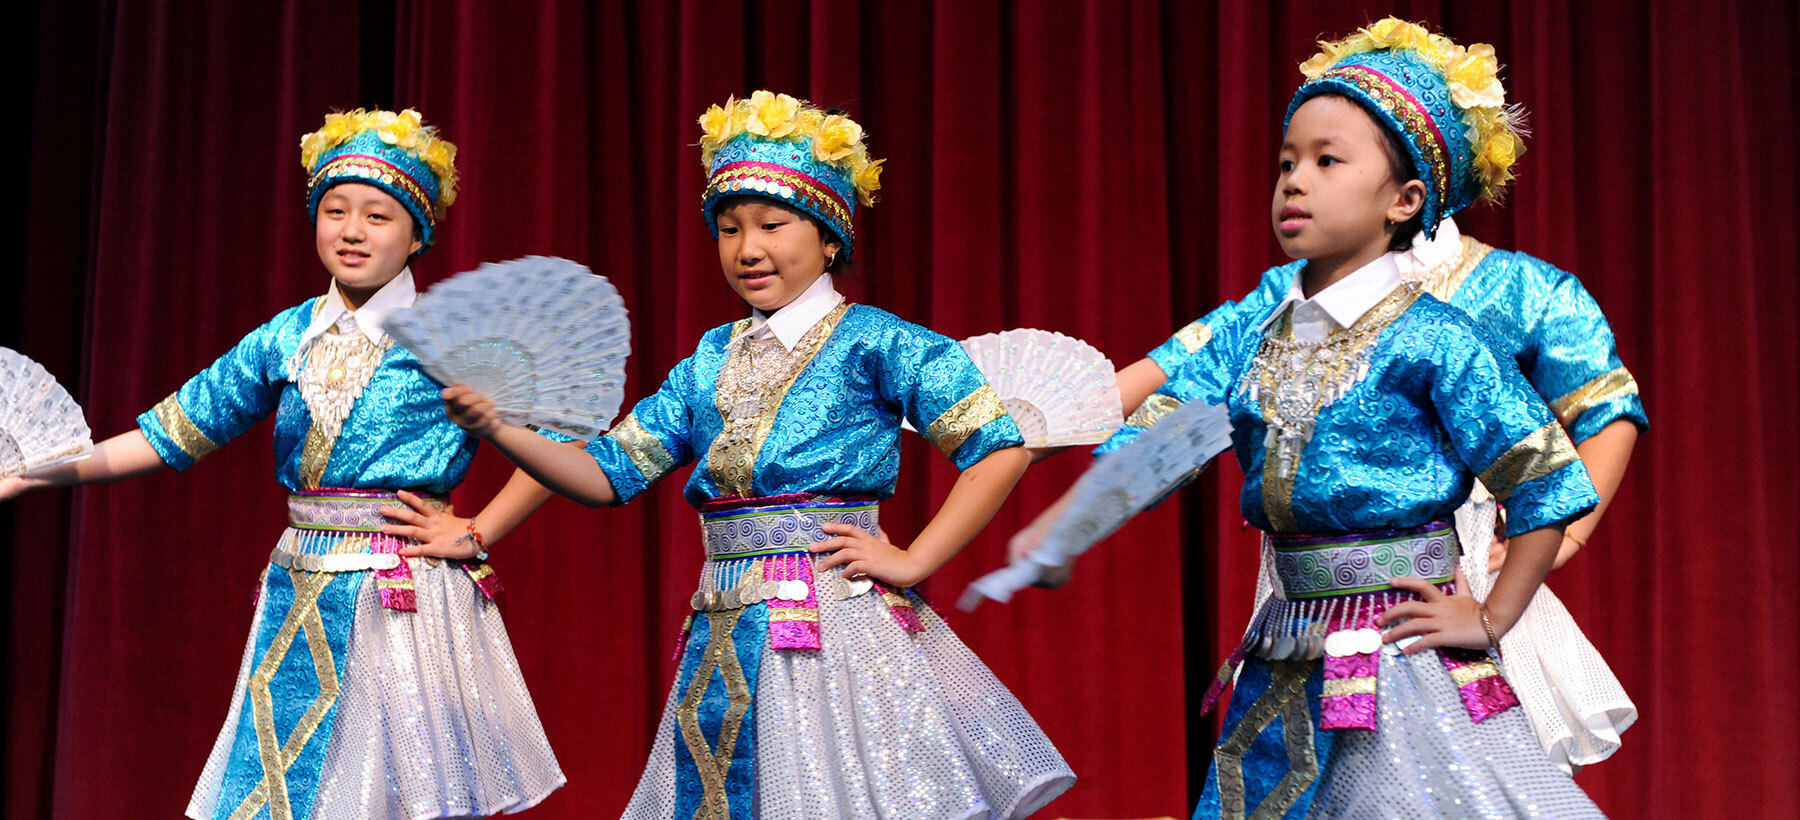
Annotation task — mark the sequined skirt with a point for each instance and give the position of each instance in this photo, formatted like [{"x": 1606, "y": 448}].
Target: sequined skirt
[
  {"x": 803, "y": 695},
  {"x": 1575, "y": 702},
  {"x": 1328, "y": 721},
  {"x": 347, "y": 706}
]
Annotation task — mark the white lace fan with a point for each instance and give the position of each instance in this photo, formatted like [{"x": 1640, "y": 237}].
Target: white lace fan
[
  {"x": 1117, "y": 487},
  {"x": 543, "y": 337},
  {"x": 40, "y": 424},
  {"x": 1059, "y": 389}
]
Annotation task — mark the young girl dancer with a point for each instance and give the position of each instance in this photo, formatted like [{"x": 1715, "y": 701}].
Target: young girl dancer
[
  {"x": 1544, "y": 318},
  {"x": 378, "y": 682},
  {"x": 1364, "y": 409},
  {"x": 814, "y": 683}
]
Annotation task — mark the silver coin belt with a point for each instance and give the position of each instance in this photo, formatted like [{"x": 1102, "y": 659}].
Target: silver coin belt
[
  {"x": 1340, "y": 584},
  {"x": 739, "y": 542},
  {"x": 346, "y": 562}
]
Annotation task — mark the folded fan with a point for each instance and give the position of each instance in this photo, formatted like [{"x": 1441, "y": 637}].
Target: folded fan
[
  {"x": 1117, "y": 487},
  {"x": 40, "y": 424},
  {"x": 542, "y": 337}
]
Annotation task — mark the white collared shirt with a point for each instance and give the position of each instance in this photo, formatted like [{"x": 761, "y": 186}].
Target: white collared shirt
[
  {"x": 1341, "y": 304},
  {"x": 1430, "y": 253},
  {"x": 792, "y": 320},
  {"x": 368, "y": 319}
]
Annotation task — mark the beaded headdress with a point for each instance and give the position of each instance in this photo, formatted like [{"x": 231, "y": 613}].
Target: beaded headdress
[
  {"x": 397, "y": 153},
  {"x": 1446, "y": 103},
  {"x": 775, "y": 146}
]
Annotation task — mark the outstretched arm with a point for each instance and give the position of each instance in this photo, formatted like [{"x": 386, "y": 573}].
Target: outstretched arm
[
  {"x": 1027, "y": 541},
  {"x": 126, "y": 455},
  {"x": 565, "y": 470},
  {"x": 971, "y": 504}
]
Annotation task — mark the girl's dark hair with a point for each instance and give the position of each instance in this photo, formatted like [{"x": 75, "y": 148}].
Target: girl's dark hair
[
  {"x": 840, "y": 263},
  {"x": 1400, "y": 169}
]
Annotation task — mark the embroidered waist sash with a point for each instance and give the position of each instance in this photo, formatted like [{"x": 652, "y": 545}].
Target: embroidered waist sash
[
  {"x": 339, "y": 530},
  {"x": 1333, "y": 588},
  {"x": 757, "y": 551},
  {"x": 1313, "y": 566}
]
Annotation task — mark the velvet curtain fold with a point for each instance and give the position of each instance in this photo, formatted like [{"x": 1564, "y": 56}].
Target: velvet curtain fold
[{"x": 1101, "y": 169}]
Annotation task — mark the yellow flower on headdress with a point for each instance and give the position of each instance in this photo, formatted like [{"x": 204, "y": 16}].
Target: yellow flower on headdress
[
  {"x": 1322, "y": 61},
  {"x": 1390, "y": 33},
  {"x": 440, "y": 154},
  {"x": 1394, "y": 32},
  {"x": 1474, "y": 77},
  {"x": 1502, "y": 151},
  {"x": 773, "y": 115},
  {"x": 339, "y": 127},
  {"x": 1387, "y": 32},
  {"x": 402, "y": 130},
  {"x": 311, "y": 146},
  {"x": 838, "y": 138},
  {"x": 868, "y": 181},
  {"x": 719, "y": 125}
]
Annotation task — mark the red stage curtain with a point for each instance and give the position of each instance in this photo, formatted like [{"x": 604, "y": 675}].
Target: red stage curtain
[{"x": 1101, "y": 169}]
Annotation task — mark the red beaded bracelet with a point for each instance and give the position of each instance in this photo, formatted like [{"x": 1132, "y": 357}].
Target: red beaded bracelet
[{"x": 480, "y": 544}]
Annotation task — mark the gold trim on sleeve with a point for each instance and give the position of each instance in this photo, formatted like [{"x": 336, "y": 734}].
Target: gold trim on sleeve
[
  {"x": 1608, "y": 386},
  {"x": 955, "y": 425},
  {"x": 181, "y": 429},
  {"x": 1194, "y": 336},
  {"x": 1546, "y": 450},
  {"x": 644, "y": 448},
  {"x": 1152, "y": 410}
]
